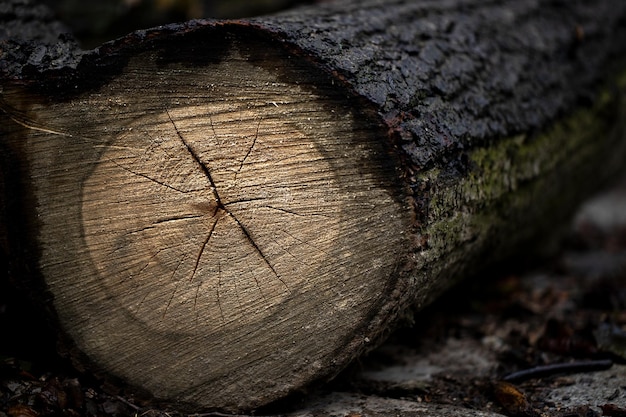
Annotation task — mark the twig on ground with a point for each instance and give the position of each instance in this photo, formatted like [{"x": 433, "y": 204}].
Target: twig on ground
[{"x": 559, "y": 368}]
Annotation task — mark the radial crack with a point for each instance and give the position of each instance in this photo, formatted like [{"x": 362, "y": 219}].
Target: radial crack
[
  {"x": 177, "y": 218},
  {"x": 204, "y": 244},
  {"x": 244, "y": 200},
  {"x": 148, "y": 177},
  {"x": 243, "y": 161},
  {"x": 169, "y": 302},
  {"x": 288, "y": 252},
  {"x": 219, "y": 284},
  {"x": 223, "y": 206},
  {"x": 150, "y": 260},
  {"x": 203, "y": 167},
  {"x": 304, "y": 242},
  {"x": 258, "y": 250},
  {"x": 295, "y": 213},
  {"x": 143, "y": 229},
  {"x": 195, "y": 300}
]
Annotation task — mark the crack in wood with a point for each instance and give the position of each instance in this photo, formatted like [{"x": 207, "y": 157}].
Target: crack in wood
[
  {"x": 195, "y": 300},
  {"x": 258, "y": 250},
  {"x": 243, "y": 161},
  {"x": 288, "y": 252},
  {"x": 150, "y": 260},
  {"x": 178, "y": 218},
  {"x": 28, "y": 123},
  {"x": 24, "y": 121},
  {"x": 202, "y": 248},
  {"x": 202, "y": 166},
  {"x": 223, "y": 207},
  {"x": 244, "y": 200},
  {"x": 304, "y": 242},
  {"x": 150, "y": 178},
  {"x": 132, "y": 232},
  {"x": 175, "y": 287},
  {"x": 219, "y": 284},
  {"x": 295, "y": 213}
]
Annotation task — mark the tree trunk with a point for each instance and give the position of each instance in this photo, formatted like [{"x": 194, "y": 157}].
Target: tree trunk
[{"x": 226, "y": 211}]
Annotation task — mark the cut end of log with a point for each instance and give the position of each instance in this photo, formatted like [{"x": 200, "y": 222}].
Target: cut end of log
[{"x": 220, "y": 227}]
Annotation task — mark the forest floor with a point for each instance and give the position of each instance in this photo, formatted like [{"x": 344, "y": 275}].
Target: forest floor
[{"x": 561, "y": 322}]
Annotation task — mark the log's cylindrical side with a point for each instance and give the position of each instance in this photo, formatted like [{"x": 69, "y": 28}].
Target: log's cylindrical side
[
  {"x": 227, "y": 211},
  {"x": 495, "y": 108}
]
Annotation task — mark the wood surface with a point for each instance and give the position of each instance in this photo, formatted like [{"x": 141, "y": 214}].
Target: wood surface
[{"x": 223, "y": 212}]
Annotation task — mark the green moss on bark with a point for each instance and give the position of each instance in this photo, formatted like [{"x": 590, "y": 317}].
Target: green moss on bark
[{"x": 515, "y": 185}]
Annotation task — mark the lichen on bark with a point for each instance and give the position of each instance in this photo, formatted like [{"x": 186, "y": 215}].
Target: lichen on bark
[{"x": 507, "y": 189}]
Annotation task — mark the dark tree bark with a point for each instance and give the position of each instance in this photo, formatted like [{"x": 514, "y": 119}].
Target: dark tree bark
[{"x": 226, "y": 211}]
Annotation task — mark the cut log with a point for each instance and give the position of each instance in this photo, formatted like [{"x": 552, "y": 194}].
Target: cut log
[{"x": 226, "y": 211}]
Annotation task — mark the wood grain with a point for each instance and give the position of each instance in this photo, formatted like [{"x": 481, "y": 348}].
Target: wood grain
[{"x": 207, "y": 230}]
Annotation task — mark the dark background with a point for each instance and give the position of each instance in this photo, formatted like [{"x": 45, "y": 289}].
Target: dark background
[{"x": 95, "y": 22}]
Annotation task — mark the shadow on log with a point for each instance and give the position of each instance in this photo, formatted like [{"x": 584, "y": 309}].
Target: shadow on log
[{"x": 226, "y": 211}]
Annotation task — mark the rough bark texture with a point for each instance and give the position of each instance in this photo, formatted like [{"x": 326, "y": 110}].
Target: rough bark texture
[{"x": 498, "y": 117}]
